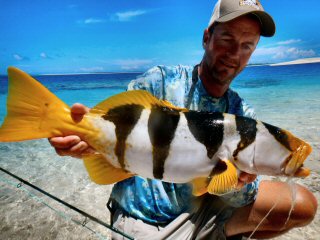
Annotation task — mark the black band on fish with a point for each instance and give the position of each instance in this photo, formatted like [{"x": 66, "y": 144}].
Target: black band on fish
[
  {"x": 207, "y": 128},
  {"x": 124, "y": 118},
  {"x": 247, "y": 129},
  {"x": 162, "y": 125},
  {"x": 279, "y": 135},
  {"x": 220, "y": 167}
]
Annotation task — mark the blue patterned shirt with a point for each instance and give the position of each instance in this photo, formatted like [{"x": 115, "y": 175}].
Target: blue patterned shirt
[{"x": 159, "y": 202}]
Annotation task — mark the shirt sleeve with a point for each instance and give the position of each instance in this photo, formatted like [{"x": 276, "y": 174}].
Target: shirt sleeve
[
  {"x": 238, "y": 106},
  {"x": 247, "y": 110},
  {"x": 150, "y": 81}
]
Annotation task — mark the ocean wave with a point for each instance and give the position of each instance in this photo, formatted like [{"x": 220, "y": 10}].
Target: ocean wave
[
  {"x": 75, "y": 87},
  {"x": 257, "y": 83}
]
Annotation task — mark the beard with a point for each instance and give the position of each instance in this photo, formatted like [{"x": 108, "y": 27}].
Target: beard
[{"x": 221, "y": 74}]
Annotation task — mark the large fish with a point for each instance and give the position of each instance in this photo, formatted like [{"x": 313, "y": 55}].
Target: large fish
[{"x": 134, "y": 133}]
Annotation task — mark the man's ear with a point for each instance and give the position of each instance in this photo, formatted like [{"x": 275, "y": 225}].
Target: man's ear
[{"x": 205, "y": 38}]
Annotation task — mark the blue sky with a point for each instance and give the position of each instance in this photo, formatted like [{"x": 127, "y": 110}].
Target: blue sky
[{"x": 74, "y": 36}]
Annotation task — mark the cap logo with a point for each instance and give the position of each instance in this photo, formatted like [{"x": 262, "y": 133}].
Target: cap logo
[{"x": 251, "y": 3}]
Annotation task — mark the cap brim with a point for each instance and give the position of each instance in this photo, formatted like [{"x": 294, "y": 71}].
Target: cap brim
[{"x": 268, "y": 27}]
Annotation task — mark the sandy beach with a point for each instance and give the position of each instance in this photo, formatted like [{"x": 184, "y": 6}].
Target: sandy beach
[{"x": 298, "y": 61}]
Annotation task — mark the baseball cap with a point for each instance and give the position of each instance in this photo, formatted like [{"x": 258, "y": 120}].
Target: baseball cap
[{"x": 227, "y": 10}]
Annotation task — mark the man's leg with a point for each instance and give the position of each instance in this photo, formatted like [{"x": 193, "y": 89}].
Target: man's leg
[
  {"x": 244, "y": 220},
  {"x": 134, "y": 228}
]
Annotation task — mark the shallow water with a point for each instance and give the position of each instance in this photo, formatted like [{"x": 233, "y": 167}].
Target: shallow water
[{"x": 285, "y": 96}]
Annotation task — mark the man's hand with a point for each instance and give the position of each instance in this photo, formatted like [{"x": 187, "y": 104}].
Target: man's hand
[
  {"x": 245, "y": 178},
  {"x": 72, "y": 145}
]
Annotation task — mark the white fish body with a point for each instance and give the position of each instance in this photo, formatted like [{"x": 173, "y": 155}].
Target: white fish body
[{"x": 136, "y": 134}]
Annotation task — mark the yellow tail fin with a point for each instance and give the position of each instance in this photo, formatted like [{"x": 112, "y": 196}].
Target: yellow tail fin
[{"x": 33, "y": 111}]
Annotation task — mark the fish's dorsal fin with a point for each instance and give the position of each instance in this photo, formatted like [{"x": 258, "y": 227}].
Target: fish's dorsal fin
[
  {"x": 101, "y": 171},
  {"x": 134, "y": 97},
  {"x": 168, "y": 104},
  {"x": 223, "y": 179}
]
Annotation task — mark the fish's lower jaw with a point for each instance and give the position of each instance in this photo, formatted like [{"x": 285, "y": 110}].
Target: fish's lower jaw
[{"x": 295, "y": 162}]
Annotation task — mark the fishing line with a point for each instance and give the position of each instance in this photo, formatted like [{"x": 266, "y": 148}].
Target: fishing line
[
  {"x": 265, "y": 217},
  {"x": 61, "y": 214},
  {"x": 293, "y": 196},
  {"x": 86, "y": 215}
]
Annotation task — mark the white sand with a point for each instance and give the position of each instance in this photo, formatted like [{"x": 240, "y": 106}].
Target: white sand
[{"x": 298, "y": 61}]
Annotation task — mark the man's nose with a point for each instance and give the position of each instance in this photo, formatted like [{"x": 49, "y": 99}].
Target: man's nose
[{"x": 234, "y": 49}]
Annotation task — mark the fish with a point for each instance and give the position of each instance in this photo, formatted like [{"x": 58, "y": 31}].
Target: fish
[{"x": 134, "y": 133}]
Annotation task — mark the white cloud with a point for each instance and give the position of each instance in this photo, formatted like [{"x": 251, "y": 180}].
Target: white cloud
[
  {"x": 43, "y": 55},
  {"x": 295, "y": 53},
  {"x": 93, "y": 21},
  {"x": 283, "y": 52},
  {"x": 290, "y": 41},
  {"x": 133, "y": 64},
  {"x": 127, "y": 16},
  {"x": 91, "y": 69},
  {"x": 262, "y": 51},
  {"x": 18, "y": 57}
]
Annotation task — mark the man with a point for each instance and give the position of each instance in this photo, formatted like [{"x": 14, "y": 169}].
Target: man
[{"x": 151, "y": 209}]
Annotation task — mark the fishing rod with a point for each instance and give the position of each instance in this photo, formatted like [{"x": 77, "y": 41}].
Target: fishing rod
[{"x": 67, "y": 205}]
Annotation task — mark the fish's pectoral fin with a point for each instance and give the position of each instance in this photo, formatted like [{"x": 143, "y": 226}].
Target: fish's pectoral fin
[
  {"x": 102, "y": 172},
  {"x": 224, "y": 178},
  {"x": 200, "y": 186}
]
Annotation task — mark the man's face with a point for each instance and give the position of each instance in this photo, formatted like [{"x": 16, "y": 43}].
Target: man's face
[{"x": 227, "y": 51}]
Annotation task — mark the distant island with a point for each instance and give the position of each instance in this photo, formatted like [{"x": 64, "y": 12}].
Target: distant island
[
  {"x": 86, "y": 73},
  {"x": 298, "y": 61}
]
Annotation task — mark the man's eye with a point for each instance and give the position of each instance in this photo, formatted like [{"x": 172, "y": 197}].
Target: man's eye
[{"x": 247, "y": 47}]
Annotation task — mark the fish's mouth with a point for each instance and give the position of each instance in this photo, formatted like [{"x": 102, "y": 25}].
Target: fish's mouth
[{"x": 294, "y": 166}]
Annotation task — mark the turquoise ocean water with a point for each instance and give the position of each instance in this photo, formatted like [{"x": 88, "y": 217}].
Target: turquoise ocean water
[{"x": 285, "y": 96}]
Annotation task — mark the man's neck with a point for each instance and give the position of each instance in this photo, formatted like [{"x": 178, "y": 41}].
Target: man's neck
[{"x": 214, "y": 89}]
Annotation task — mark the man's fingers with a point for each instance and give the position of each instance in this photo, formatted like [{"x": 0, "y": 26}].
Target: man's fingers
[
  {"x": 64, "y": 142},
  {"x": 79, "y": 148},
  {"x": 247, "y": 177},
  {"x": 77, "y": 151},
  {"x": 77, "y": 111}
]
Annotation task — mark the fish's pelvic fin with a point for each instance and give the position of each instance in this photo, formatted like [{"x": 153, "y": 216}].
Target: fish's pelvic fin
[
  {"x": 200, "y": 186},
  {"x": 224, "y": 178},
  {"x": 134, "y": 97},
  {"x": 102, "y": 172}
]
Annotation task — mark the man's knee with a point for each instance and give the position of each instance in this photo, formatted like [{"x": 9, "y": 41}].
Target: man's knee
[{"x": 305, "y": 207}]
